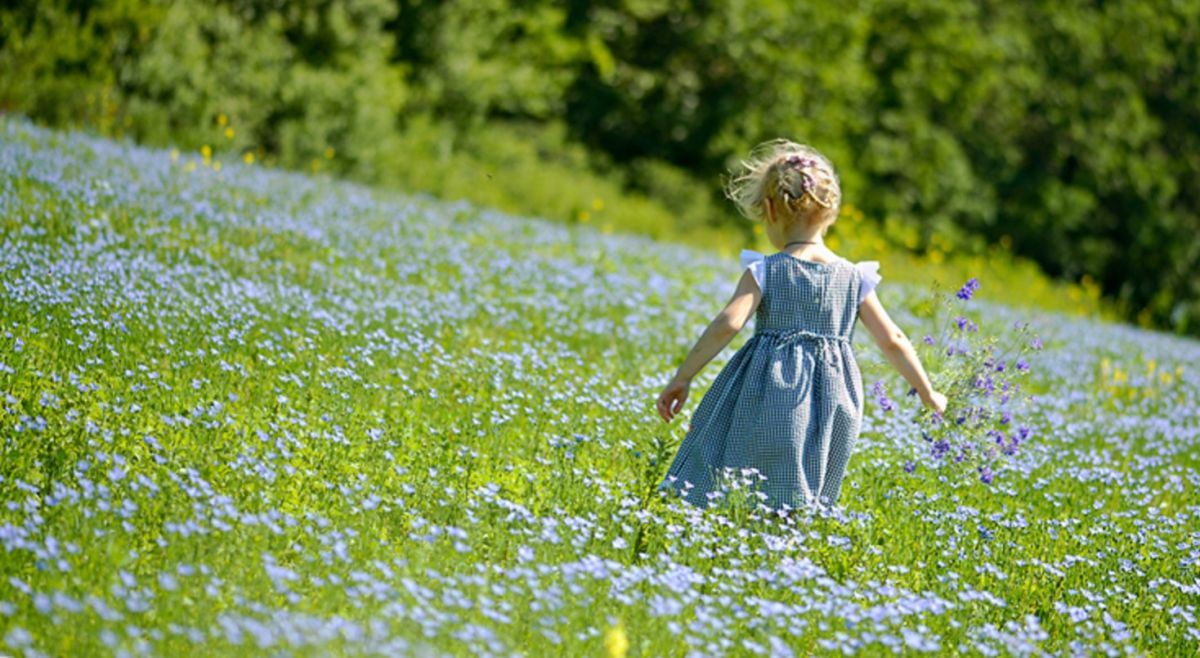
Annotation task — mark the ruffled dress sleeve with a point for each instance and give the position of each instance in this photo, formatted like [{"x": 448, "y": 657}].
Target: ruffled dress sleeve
[
  {"x": 869, "y": 269},
  {"x": 753, "y": 260}
]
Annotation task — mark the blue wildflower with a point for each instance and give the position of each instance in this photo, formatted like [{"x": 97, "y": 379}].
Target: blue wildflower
[
  {"x": 884, "y": 402},
  {"x": 941, "y": 447},
  {"x": 968, "y": 289}
]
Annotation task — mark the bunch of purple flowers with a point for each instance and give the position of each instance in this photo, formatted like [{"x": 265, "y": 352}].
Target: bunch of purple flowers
[
  {"x": 980, "y": 372},
  {"x": 968, "y": 289}
]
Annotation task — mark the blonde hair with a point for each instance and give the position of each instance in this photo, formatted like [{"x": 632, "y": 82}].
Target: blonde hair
[{"x": 801, "y": 183}]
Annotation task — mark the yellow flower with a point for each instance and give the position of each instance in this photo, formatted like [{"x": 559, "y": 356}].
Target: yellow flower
[
  {"x": 248, "y": 158},
  {"x": 328, "y": 152},
  {"x": 597, "y": 204},
  {"x": 206, "y": 151},
  {"x": 174, "y": 155},
  {"x": 190, "y": 166},
  {"x": 229, "y": 132},
  {"x": 616, "y": 643},
  {"x": 217, "y": 166},
  {"x": 222, "y": 119},
  {"x": 585, "y": 216}
]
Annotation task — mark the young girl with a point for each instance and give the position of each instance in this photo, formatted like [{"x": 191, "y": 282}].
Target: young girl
[{"x": 789, "y": 403}]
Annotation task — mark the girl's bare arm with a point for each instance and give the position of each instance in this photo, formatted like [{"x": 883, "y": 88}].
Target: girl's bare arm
[
  {"x": 899, "y": 351},
  {"x": 716, "y": 336}
]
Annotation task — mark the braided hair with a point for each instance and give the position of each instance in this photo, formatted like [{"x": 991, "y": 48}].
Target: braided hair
[{"x": 797, "y": 178}]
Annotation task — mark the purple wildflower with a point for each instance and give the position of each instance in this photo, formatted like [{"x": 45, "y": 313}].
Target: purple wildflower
[
  {"x": 985, "y": 474},
  {"x": 910, "y": 466},
  {"x": 928, "y": 339},
  {"x": 884, "y": 402},
  {"x": 1022, "y": 365},
  {"x": 968, "y": 289}
]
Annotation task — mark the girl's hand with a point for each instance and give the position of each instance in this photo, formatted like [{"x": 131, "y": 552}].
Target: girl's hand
[
  {"x": 937, "y": 402},
  {"x": 671, "y": 400}
]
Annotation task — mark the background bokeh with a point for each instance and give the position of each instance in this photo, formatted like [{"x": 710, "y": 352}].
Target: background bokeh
[{"x": 1062, "y": 132}]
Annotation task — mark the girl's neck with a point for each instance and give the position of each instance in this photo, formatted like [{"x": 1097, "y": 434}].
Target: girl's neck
[{"x": 802, "y": 237}]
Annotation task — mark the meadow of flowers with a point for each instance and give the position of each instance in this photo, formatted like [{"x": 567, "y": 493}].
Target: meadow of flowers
[{"x": 250, "y": 412}]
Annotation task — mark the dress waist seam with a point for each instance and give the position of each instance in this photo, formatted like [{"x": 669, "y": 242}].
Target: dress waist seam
[{"x": 802, "y": 333}]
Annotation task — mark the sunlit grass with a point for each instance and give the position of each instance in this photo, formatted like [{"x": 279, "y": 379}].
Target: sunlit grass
[{"x": 249, "y": 411}]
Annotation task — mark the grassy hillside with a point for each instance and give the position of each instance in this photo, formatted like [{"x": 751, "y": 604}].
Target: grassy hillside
[{"x": 248, "y": 411}]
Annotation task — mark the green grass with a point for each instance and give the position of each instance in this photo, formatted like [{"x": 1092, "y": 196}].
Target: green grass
[{"x": 252, "y": 412}]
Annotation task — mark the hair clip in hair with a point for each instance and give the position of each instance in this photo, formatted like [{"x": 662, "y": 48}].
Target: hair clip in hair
[
  {"x": 807, "y": 184},
  {"x": 800, "y": 162}
]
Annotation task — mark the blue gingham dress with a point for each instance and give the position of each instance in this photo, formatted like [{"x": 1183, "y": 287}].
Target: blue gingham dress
[{"x": 789, "y": 402}]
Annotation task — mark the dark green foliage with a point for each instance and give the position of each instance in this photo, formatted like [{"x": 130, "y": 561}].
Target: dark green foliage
[{"x": 1067, "y": 131}]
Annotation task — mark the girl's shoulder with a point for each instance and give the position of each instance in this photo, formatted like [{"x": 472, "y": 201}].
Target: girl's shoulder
[
  {"x": 868, "y": 268},
  {"x": 755, "y": 259},
  {"x": 830, "y": 259}
]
